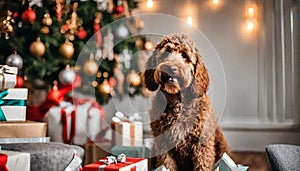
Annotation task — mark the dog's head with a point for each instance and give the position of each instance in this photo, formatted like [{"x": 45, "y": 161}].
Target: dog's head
[{"x": 175, "y": 66}]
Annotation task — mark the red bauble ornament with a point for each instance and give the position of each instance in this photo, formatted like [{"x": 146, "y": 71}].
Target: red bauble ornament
[
  {"x": 65, "y": 27},
  {"x": 81, "y": 33},
  {"x": 119, "y": 9},
  {"x": 16, "y": 14},
  {"x": 28, "y": 16},
  {"x": 20, "y": 82}
]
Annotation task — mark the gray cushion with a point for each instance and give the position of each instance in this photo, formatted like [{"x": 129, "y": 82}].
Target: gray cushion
[
  {"x": 283, "y": 157},
  {"x": 47, "y": 156}
]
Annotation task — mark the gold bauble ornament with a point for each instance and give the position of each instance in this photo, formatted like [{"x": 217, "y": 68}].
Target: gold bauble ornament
[
  {"x": 149, "y": 45},
  {"x": 66, "y": 50},
  {"x": 45, "y": 30},
  {"x": 104, "y": 88},
  {"x": 37, "y": 48},
  {"x": 139, "y": 43},
  {"x": 133, "y": 79},
  {"x": 47, "y": 20},
  {"x": 90, "y": 67}
]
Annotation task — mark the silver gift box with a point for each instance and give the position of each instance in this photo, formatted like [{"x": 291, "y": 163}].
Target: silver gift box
[{"x": 24, "y": 140}]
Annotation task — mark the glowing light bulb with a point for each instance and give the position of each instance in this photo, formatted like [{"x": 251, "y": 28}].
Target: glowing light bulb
[
  {"x": 189, "y": 20},
  {"x": 216, "y": 2},
  {"x": 150, "y": 3},
  {"x": 250, "y": 26},
  {"x": 251, "y": 12}
]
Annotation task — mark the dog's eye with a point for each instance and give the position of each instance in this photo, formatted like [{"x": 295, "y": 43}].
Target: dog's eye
[
  {"x": 168, "y": 49},
  {"x": 184, "y": 55}
]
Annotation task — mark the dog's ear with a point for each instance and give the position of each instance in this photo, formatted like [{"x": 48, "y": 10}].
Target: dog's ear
[
  {"x": 201, "y": 82},
  {"x": 149, "y": 73},
  {"x": 149, "y": 80}
]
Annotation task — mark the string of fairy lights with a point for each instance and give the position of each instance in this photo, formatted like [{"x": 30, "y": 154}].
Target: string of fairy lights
[
  {"x": 251, "y": 18},
  {"x": 250, "y": 24}
]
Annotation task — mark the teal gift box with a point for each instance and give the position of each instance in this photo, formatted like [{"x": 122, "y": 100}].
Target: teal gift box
[
  {"x": 13, "y": 104},
  {"x": 136, "y": 152}
]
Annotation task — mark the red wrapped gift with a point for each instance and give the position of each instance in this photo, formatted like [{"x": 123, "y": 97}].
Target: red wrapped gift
[{"x": 130, "y": 164}]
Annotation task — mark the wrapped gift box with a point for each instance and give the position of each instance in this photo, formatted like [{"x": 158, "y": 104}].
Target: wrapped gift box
[
  {"x": 96, "y": 151},
  {"x": 131, "y": 164},
  {"x": 18, "y": 129},
  {"x": 75, "y": 164},
  {"x": 87, "y": 126},
  {"x": 8, "y": 77},
  {"x": 16, "y": 160},
  {"x": 14, "y": 104},
  {"x": 137, "y": 152},
  {"x": 227, "y": 164},
  {"x": 129, "y": 133}
]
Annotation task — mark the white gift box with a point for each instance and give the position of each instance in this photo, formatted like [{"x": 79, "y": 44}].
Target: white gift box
[
  {"x": 227, "y": 164},
  {"x": 162, "y": 168},
  {"x": 8, "y": 77},
  {"x": 87, "y": 124},
  {"x": 15, "y": 113},
  {"x": 17, "y": 161},
  {"x": 129, "y": 133}
]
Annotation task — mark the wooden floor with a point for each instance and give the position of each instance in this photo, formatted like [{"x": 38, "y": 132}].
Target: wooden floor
[{"x": 255, "y": 160}]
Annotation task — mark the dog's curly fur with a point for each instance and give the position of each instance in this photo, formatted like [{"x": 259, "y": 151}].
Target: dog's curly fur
[{"x": 186, "y": 133}]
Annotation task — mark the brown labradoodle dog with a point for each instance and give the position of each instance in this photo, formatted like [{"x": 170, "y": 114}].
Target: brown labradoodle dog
[{"x": 186, "y": 132}]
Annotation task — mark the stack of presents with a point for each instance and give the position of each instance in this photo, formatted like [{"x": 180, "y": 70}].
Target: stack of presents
[
  {"x": 13, "y": 125},
  {"x": 72, "y": 136},
  {"x": 79, "y": 122}
]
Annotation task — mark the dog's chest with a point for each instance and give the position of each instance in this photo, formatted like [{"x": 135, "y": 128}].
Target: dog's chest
[{"x": 173, "y": 108}]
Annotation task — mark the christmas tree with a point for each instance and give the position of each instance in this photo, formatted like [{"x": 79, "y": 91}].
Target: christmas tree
[{"x": 44, "y": 39}]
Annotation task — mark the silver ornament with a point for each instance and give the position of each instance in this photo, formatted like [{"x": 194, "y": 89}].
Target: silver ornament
[
  {"x": 122, "y": 31},
  {"x": 38, "y": 3},
  {"x": 66, "y": 76},
  {"x": 15, "y": 60},
  {"x": 101, "y": 4},
  {"x": 125, "y": 57}
]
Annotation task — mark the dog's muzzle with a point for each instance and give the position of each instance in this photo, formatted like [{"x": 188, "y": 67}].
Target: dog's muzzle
[{"x": 169, "y": 75}]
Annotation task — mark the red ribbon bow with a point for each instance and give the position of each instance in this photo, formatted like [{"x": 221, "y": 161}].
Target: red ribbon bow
[
  {"x": 64, "y": 121},
  {"x": 3, "y": 161},
  {"x": 54, "y": 97}
]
